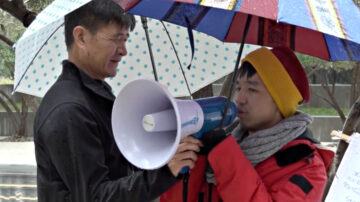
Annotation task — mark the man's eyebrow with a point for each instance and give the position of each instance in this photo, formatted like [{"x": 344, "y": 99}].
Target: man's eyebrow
[
  {"x": 121, "y": 34},
  {"x": 254, "y": 83}
]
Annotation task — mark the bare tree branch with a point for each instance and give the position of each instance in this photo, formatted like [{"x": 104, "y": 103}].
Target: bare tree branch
[
  {"x": 9, "y": 111},
  {"x": 335, "y": 105},
  {"x": 31, "y": 102},
  {"x": 313, "y": 71},
  {"x": 334, "y": 81},
  {"x": 18, "y": 9},
  {"x": 11, "y": 101},
  {"x": 6, "y": 40},
  {"x": 324, "y": 99}
]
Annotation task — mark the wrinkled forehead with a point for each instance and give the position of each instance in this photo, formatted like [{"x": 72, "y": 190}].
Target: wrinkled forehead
[{"x": 115, "y": 29}]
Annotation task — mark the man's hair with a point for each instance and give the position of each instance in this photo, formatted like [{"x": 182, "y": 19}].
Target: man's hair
[
  {"x": 94, "y": 15},
  {"x": 247, "y": 69}
]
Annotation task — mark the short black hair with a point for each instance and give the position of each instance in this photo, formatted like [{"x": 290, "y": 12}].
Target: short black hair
[
  {"x": 247, "y": 69},
  {"x": 94, "y": 15}
]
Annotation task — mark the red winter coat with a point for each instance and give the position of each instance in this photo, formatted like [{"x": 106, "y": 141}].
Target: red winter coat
[{"x": 295, "y": 173}]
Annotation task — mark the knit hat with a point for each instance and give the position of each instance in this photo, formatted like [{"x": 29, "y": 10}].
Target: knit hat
[{"x": 283, "y": 76}]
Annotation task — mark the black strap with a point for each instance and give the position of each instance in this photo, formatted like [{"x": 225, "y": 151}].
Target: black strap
[
  {"x": 210, "y": 192},
  {"x": 201, "y": 197},
  {"x": 185, "y": 186}
]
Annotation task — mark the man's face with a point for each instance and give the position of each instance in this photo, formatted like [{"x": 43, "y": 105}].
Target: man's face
[
  {"x": 105, "y": 49},
  {"x": 256, "y": 108}
]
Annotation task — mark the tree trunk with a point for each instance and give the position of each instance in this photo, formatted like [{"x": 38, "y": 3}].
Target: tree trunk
[
  {"x": 349, "y": 127},
  {"x": 22, "y": 132},
  {"x": 11, "y": 115},
  {"x": 31, "y": 102},
  {"x": 355, "y": 83}
]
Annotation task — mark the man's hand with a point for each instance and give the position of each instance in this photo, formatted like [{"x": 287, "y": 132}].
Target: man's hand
[{"x": 185, "y": 155}]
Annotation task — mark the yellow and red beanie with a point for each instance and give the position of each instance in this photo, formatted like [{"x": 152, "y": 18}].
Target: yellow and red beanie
[{"x": 283, "y": 76}]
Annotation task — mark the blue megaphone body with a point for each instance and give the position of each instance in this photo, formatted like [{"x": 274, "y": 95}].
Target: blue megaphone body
[{"x": 213, "y": 111}]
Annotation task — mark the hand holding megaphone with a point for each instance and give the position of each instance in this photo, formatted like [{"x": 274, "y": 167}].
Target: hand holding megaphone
[
  {"x": 148, "y": 123},
  {"x": 185, "y": 155}
]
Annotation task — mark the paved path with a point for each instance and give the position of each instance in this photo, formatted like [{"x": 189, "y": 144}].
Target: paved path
[{"x": 17, "y": 172}]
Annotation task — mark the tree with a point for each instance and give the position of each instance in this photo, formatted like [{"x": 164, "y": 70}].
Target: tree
[
  {"x": 329, "y": 69},
  {"x": 14, "y": 17}
]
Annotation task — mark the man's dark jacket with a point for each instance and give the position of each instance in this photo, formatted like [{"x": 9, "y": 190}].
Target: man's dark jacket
[{"x": 77, "y": 158}]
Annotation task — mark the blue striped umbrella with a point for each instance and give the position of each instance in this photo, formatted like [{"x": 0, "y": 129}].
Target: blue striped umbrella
[{"x": 325, "y": 29}]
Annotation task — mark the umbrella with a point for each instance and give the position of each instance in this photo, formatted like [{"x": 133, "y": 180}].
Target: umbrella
[
  {"x": 41, "y": 49},
  {"x": 325, "y": 29}
]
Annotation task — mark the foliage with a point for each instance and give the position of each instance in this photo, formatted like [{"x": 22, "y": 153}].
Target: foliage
[
  {"x": 7, "y": 61},
  {"x": 10, "y": 27},
  {"x": 322, "y": 111},
  {"x": 37, "y": 5},
  {"x": 314, "y": 62},
  {"x": 13, "y": 29}
]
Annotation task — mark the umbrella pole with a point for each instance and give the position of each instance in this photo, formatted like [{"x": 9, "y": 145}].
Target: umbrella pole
[
  {"x": 144, "y": 22},
  {"x": 236, "y": 68}
]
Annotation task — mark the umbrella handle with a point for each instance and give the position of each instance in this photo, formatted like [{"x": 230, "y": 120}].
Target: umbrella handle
[
  {"x": 246, "y": 29},
  {"x": 145, "y": 26}
]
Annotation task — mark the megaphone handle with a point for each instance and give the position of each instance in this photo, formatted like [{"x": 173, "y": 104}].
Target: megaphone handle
[{"x": 184, "y": 170}]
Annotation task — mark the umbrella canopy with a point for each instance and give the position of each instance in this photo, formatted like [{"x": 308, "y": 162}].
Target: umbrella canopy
[
  {"x": 325, "y": 29},
  {"x": 41, "y": 49},
  {"x": 38, "y": 33}
]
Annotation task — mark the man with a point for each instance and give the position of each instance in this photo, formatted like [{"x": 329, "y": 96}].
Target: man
[
  {"x": 271, "y": 155},
  {"x": 77, "y": 158}
]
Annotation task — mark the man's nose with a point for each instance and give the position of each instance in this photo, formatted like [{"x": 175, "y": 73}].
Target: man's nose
[
  {"x": 241, "y": 97},
  {"x": 122, "y": 50}
]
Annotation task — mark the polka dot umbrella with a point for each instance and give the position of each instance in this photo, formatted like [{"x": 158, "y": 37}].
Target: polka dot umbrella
[{"x": 41, "y": 50}]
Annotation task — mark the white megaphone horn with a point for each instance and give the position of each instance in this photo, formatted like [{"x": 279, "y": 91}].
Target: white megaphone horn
[{"x": 148, "y": 122}]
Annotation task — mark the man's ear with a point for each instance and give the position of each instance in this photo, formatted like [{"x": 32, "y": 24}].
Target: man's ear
[{"x": 81, "y": 36}]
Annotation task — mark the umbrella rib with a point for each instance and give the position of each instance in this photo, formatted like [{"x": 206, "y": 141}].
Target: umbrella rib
[
  {"x": 177, "y": 57},
  {"x": 346, "y": 48},
  {"x": 17, "y": 85},
  {"x": 236, "y": 68}
]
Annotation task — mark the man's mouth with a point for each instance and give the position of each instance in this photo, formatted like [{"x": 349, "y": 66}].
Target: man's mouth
[{"x": 115, "y": 60}]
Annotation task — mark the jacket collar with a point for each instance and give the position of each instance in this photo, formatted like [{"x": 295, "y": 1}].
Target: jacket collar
[{"x": 101, "y": 88}]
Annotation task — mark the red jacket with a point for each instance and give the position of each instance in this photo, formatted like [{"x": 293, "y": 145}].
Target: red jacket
[{"x": 296, "y": 173}]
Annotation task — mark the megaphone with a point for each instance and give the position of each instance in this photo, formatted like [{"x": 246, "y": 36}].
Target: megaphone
[{"x": 148, "y": 123}]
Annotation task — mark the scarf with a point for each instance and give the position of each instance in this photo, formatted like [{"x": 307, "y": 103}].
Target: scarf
[{"x": 262, "y": 144}]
